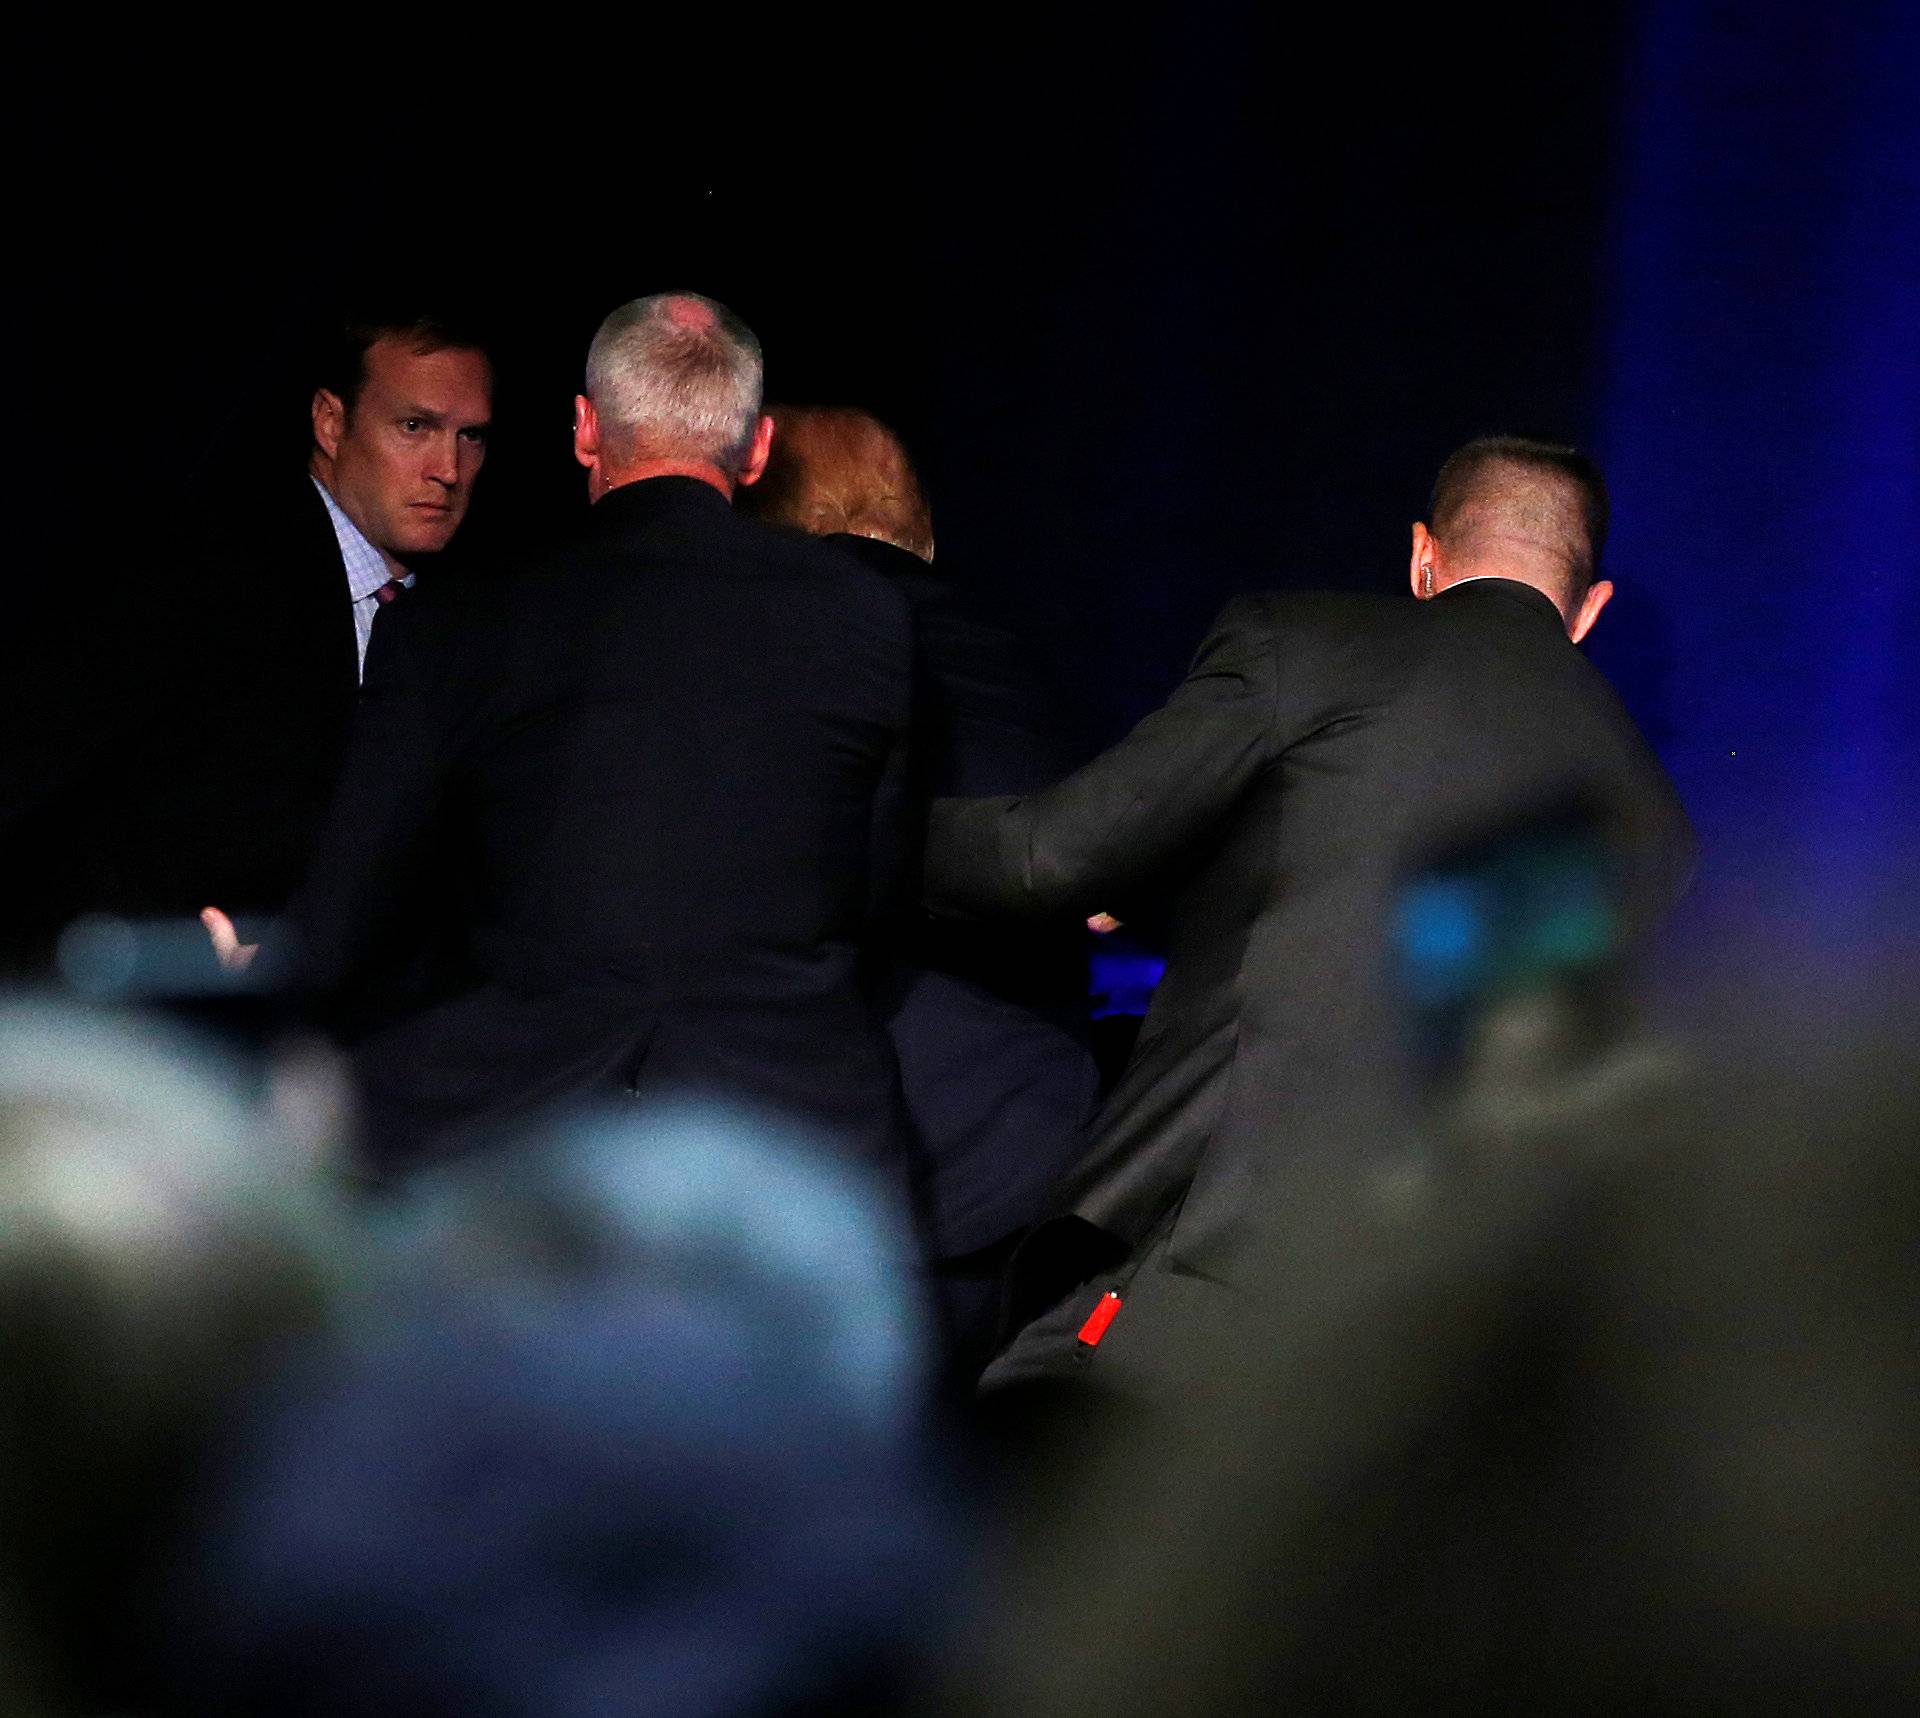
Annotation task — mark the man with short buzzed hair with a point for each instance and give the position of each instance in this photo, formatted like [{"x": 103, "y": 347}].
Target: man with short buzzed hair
[
  {"x": 1321, "y": 746},
  {"x": 673, "y": 383},
  {"x": 1518, "y": 507},
  {"x": 670, "y": 750}
]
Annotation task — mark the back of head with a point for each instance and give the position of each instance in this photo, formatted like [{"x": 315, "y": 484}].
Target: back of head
[
  {"x": 676, "y": 377},
  {"x": 159, "y": 1241},
  {"x": 1527, "y": 505},
  {"x": 679, "y": 1333},
  {"x": 839, "y": 469}
]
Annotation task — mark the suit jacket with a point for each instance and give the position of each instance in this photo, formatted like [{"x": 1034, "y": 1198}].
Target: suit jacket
[
  {"x": 240, "y": 673},
  {"x": 1320, "y": 746},
  {"x": 668, "y": 755},
  {"x": 989, "y": 1022}
]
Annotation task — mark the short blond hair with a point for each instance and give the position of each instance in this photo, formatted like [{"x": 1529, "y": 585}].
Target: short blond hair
[{"x": 836, "y": 468}]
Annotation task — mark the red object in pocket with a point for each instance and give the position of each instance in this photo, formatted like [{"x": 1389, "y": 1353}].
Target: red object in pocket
[{"x": 1098, "y": 1320}]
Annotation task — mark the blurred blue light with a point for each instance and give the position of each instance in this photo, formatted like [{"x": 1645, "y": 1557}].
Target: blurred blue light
[{"x": 1441, "y": 932}]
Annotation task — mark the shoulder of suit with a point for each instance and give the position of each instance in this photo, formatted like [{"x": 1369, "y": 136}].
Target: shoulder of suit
[
  {"x": 582, "y": 559},
  {"x": 1299, "y": 611},
  {"x": 857, "y": 580},
  {"x": 283, "y": 516},
  {"x": 457, "y": 599},
  {"x": 259, "y": 551}
]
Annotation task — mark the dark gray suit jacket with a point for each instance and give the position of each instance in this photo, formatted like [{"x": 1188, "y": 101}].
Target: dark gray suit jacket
[
  {"x": 989, "y": 1021},
  {"x": 238, "y": 721},
  {"x": 1320, "y": 746},
  {"x": 661, "y": 765}
]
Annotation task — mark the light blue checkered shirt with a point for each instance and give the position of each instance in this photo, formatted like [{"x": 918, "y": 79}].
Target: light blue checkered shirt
[{"x": 366, "y": 571}]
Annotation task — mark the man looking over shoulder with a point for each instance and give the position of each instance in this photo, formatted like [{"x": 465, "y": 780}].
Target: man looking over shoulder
[
  {"x": 989, "y": 1022},
  {"x": 669, "y": 754},
  {"x": 256, "y": 641},
  {"x": 399, "y": 435},
  {"x": 1320, "y": 745}
]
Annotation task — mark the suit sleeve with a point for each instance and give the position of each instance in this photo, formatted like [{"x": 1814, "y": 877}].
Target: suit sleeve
[
  {"x": 353, "y": 907},
  {"x": 1082, "y": 844}
]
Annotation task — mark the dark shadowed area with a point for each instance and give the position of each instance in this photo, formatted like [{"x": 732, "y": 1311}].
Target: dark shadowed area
[{"x": 1164, "y": 320}]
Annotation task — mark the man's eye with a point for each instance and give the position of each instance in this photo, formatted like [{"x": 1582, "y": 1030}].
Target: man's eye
[
  {"x": 412, "y": 426},
  {"x": 475, "y": 437}
]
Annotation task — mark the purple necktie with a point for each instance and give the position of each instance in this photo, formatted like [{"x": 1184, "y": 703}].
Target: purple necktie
[{"x": 387, "y": 592}]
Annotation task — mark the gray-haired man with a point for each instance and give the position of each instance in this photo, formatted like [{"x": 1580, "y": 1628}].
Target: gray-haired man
[{"x": 667, "y": 746}]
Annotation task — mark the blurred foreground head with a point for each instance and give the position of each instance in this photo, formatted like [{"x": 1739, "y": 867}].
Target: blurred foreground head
[
  {"x": 1608, "y": 1404},
  {"x": 639, "y": 1431},
  {"x": 157, "y": 1238},
  {"x": 835, "y": 469}
]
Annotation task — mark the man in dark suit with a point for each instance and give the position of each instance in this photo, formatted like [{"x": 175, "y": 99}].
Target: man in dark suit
[
  {"x": 667, "y": 755},
  {"x": 253, "y": 645},
  {"x": 1320, "y": 746},
  {"x": 989, "y": 1022}
]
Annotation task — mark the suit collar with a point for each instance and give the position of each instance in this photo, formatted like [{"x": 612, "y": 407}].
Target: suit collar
[
  {"x": 653, "y": 495},
  {"x": 885, "y": 558},
  {"x": 1512, "y": 591}
]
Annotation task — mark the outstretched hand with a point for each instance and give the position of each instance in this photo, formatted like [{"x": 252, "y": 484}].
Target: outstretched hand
[{"x": 232, "y": 954}]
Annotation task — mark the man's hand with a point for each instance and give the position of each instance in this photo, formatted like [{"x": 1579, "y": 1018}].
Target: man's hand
[
  {"x": 1101, "y": 924},
  {"x": 232, "y": 954}
]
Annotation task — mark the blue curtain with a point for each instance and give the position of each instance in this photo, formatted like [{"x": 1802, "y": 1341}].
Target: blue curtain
[{"x": 1761, "y": 429}]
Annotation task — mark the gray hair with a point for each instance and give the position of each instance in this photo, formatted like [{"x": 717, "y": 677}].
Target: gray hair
[{"x": 676, "y": 375}]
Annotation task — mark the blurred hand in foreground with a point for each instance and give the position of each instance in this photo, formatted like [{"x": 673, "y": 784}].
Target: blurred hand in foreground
[{"x": 232, "y": 954}]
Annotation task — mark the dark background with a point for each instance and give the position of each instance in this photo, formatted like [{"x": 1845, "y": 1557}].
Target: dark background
[{"x": 1165, "y": 318}]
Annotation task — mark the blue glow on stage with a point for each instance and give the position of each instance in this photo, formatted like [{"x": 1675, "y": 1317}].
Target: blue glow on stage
[
  {"x": 1122, "y": 980},
  {"x": 1761, "y": 431}
]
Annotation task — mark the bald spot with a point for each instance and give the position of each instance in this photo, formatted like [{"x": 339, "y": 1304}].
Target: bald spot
[
  {"x": 690, "y": 313},
  {"x": 837, "y": 469}
]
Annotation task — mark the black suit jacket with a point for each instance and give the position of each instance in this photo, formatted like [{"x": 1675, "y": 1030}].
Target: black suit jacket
[
  {"x": 666, "y": 758},
  {"x": 989, "y": 1022},
  {"x": 240, "y": 672},
  {"x": 1319, "y": 746}
]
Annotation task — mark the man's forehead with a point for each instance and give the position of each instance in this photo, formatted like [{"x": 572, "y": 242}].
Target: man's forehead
[{"x": 397, "y": 364}]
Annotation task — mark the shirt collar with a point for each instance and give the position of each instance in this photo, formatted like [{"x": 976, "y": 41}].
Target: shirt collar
[
  {"x": 1516, "y": 590},
  {"x": 367, "y": 569}
]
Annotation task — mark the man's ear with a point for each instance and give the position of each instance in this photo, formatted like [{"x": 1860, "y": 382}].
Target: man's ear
[
  {"x": 1599, "y": 593},
  {"x": 1420, "y": 563},
  {"x": 756, "y": 461},
  {"x": 586, "y": 432},
  {"x": 329, "y": 421}
]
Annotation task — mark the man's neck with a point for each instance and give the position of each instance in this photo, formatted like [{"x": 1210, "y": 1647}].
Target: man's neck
[
  {"x": 710, "y": 475},
  {"x": 1512, "y": 574}
]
